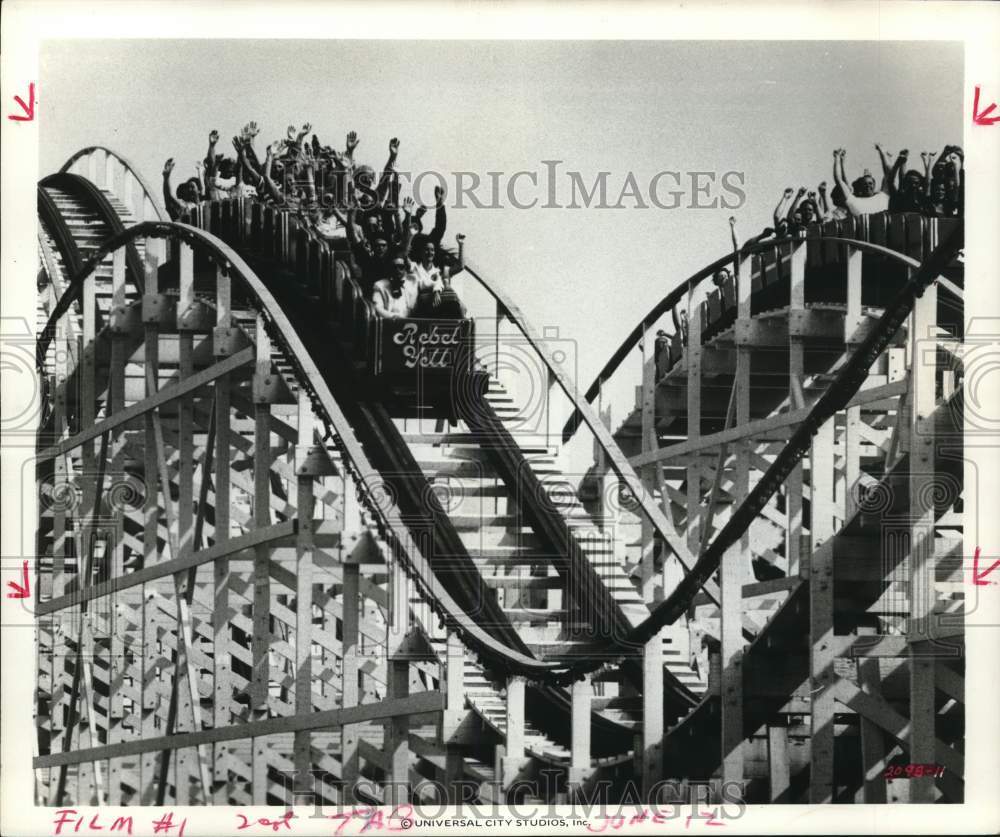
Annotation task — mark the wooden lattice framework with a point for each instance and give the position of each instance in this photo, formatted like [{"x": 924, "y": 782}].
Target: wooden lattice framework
[{"x": 228, "y": 614}]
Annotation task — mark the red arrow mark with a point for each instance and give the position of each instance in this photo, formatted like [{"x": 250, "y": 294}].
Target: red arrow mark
[
  {"x": 978, "y": 577},
  {"x": 24, "y": 592},
  {"x": 978, "y": 118},
  {"x": 29, "y": 109}
]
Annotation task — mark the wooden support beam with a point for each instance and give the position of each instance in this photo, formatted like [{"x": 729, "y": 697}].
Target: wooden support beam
[
  {"x": 581, "y": 694},
  {"x": 151, "y": 515},
  {"x": 261, "y": 639},
  {"x": 513, "y": 759},
  {"x": 873, "y": 745},
  {"x": 693, "y": 356},
  {"x": 397, "y": 734},
  {"x": 649, "y": 442},
  {"x": 821, "y": 639},
  {"x": 796, "y": 370},
  {"x": 60, "y": 548},
  {"x": 779, "y": 772},
  {"x": 652, "y": 714},
  {"x": 350, "y": 684},
  {"x": 854, "y": 323},
  {"x": 734, "y": 573},
  {"x": 304, "y": 595},
  {"x": 761, "y": 427},
  {"x": 116, "y": 403},
  {"x": 149, "y": 404},
  {"x": 222, "y": 690},
  {"x": 922, "y": 559},
  {"x": 899, "y": 727},
  {"x": 186, "y": 683},
  {"x": 418, "y": 704},
  {"x": 149, "y": 699},
  {"x": 277, "y": 532},
  {"x": 453, "y": 687}
]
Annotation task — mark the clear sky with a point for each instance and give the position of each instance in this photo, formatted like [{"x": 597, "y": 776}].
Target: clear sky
[{"x": 773, "y": 111}]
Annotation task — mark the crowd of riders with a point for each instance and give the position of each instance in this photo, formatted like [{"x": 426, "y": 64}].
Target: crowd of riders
[
  {"x": 937, "y": 191},
  {"x": 400, "y": 265}
]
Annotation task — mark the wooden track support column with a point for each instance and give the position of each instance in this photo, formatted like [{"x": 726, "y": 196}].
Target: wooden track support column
[
  {"x": 822, "y": 647},
  {"x": 796, "y": 371},
  {"x": 853, "y": 323},
  {"x": 581, "y": 693},
  {"x": 188, "y": 711},
  {"x": 453, "y": 686},
  {"x": 151, "y": 689},
  {"x": 350, "y": 686},
  {"x": 221, "y": 654},
  {"x": 921, "y": 625},
  {"x": 873, "y": 743},
  {"x": 86, "y": 537},
  {"x": 736, "y": 563},
  {"x": 513, "y": 759},
  {"x": 693, "y": 357},
  {"x": 306, "y": 471},
  {"x": 652, "y": 713},
  {"x": 60, "y": 548},
  {"x": 397, "y": 732},
  {"x": 778, "y": 770},
  {"x": 648, "y": 443},
  {"x": 261, "y": 640},
  {"x": 124, "y": 606}
]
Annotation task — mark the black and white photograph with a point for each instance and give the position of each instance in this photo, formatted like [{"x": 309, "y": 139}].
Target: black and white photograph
[{"x": 439, "y": 417}]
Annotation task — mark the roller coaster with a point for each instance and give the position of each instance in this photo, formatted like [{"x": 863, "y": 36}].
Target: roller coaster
[{"x": 290, "y": 552}]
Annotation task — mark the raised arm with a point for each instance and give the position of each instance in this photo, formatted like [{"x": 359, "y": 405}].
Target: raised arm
[
  {"x": 199, "y": 168},
  {"x": 390, "y": 168},
  {"x": 822, "y": 203},
  {"x": 174, "y": 208},
  {"x": 779, "y": 210},
  {"x": 736, "y": 246},
  {"x": 928, "y": 160},
  {"x": 795, "y": 203},
  {"x": 250, "y": 130},
  {"x": 899, "y": 170},
  {"x": 308, "y": 163},
  {"x": 210, "y": 160},
  {"x": 440, "y": 217},
  {"x": 241, "y": 160},
  {"x": 888, "y": 169},
  {"x": 269, "y": 185},
  {"x": 838, "y": 171},
  {"x": 350, "y": 143},
  {"x": 407, "y": 236}
]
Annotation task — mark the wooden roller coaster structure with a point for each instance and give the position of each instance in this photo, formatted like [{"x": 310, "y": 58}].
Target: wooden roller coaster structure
[{"x": 284, "y": 558}]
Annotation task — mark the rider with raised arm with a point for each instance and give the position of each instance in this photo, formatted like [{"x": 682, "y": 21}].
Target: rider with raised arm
[{"x": 187, "y": 196}]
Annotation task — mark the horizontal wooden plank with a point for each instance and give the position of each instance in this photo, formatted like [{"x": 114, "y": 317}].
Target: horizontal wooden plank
[
  {"x": 754, "y": 429},
  {"x": 167, "y": 568},
  {"x": 335, "y": 718},
  {"x": 168, "y": 393}
]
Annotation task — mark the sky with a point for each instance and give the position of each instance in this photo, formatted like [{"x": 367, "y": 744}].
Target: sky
[{"x": 771, "y": 111}]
